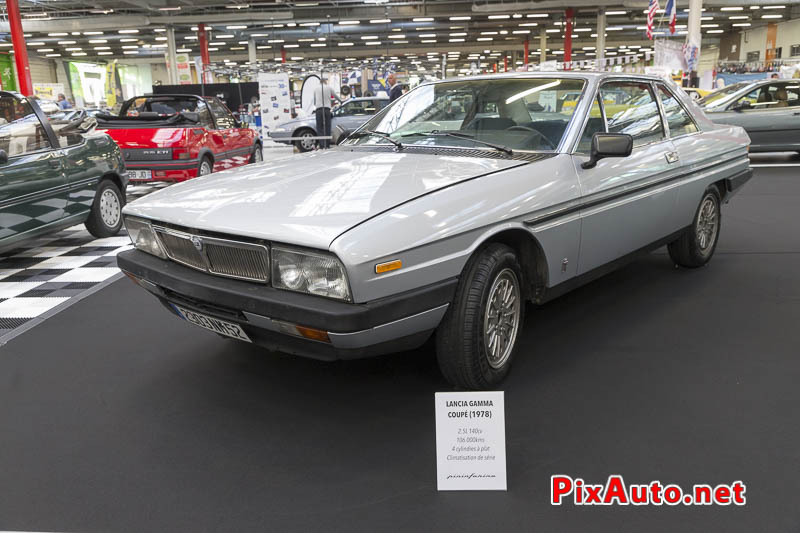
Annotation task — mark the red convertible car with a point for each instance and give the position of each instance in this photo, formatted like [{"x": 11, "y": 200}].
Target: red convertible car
[{"x": 175, "y": 137}]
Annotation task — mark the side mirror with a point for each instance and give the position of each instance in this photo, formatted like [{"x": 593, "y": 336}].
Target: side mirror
[
  {"x": 3, "y": 157},
  {"x": 608, "y": 145}
]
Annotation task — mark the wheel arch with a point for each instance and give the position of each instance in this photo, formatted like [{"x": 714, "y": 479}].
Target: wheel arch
[
  {"x": 297, "y": 131},
  {"x": 529, "y": 252},
  {"x": 205, "y": 152},
  {"x": 116, "y": 179}
]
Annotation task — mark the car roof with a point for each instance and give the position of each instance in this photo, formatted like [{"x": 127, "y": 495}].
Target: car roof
[{"x": 581, "y": 74}]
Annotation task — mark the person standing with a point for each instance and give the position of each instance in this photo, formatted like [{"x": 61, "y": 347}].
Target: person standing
[
  {"x": 322, "y": 103},
  {"x": 63, "y": 103},
  {"x": 395, "y": 90}
]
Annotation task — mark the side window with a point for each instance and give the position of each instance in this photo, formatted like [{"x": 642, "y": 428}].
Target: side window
[
  {"x": 20, "y": 130},
  {"x": 636, "y": 112},
  {"x": 221, "y": 114},
  {"x": 680, "y": 123},
  {"x": 594, "y": 124},
  {"x": 205, "y": 115}
]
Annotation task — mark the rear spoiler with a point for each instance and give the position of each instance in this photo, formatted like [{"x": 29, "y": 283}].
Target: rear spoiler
[{"x": 146, "y": 120}]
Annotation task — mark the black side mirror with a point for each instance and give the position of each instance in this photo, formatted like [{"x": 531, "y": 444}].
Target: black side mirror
[
  {"x": 741, "y": 106},
  {"x": 3, "y": 157},
  {"x": 608, "y": 145}
]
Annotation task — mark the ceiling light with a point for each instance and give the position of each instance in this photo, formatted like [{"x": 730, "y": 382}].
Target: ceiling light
[
  {"x": 318, "y": 45},
  {"x": 380, "y": 21},
  {"x": 345, "y": 44},
  {"x": 238, "y": 6},
  {"x": 771, "y": 16},
  {"x": 614, "y": 28},
  {"x": 308, "y": 24},
  {"x": 224, "y": 36},
  {"x": 400, "y": 36},
  {"x": 773, "y": 7},
  {"x": 237, "y": 27},
  {"x": 529, "y": 24},
  {"x": 422, "y": 19},
  {"x": 742, "y": 24},
  {"x": 74, "y": 49},
  {"x": 373, "y": 43},
  {"x": 456, "y": 40},
  {"x": 213, "y": 49},
  {"x": 183, "y": 50},
  {"x": 219, "y": 43},
  {"x": 430, "y": 41},
  {"x": 459, "y": 34},
  {"x": 105, "y": 53},
  {"x": 427, "y": 35},
  {"x": 273, "y": 41},
  {"x": 102, "y": 48},
  {"x": 715, "y": 31},
  {"x": 66, "y": 42},
  {"x": 128, "y": 40},
  {"x": 130, "y": 46},
  {"x": 579, "y": 30},
  {"x": 537, "y": 15},
  {"x": 237, "y": 47},
  {"x": 612, "y": 13},
  {"x": 161, "y": 38},
  {"x": 369, "y": 37},
  {"x": 285, "y": 46},
  {"x": 461, "y": 18},
  {"x": 38, "y": 44},
  {"x": 488, "y": 33},
  {"x": 736, "y": 8},
  {"x": 93, "y": 33},
  {"x": 552, "y": 31},
  {"x": 349, "y": 23},
  {"x": 485, "y": 38},
  {"x": 128, "y": 31},
  {"x": 130, "y": 51},
  {"x": 92, "y": 41},
  {"x": 709, "y": 25},
  {"x": 710, "y": 18},
  {"x": 496, "y": 17},
  {"x": 57, "y": 34},
  {"x": 53, "y": 55},
  {"x": 169, "y": 8}
]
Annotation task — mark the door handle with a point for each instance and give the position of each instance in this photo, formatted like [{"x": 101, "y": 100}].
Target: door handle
[{"x": 672, "y": 157}]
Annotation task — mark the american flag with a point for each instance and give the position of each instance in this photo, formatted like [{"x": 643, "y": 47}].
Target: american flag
[
  {"x": 671, "y": 12},
  {"x": 651, "y": 13}
]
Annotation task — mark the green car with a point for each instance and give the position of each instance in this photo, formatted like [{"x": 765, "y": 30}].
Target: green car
[{"x": 55, "y": 173}]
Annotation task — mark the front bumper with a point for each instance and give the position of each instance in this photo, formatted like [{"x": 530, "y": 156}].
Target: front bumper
[{"x": 396, "y": 323}]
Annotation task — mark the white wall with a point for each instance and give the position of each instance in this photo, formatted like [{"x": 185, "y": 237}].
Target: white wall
[
  {"x": 754, "y": 40},
  {"x": 159, "y": 74},
  {"x": 788, "y": 34}
]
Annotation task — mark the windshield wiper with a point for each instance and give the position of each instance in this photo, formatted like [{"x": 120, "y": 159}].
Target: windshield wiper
[
  {"x": 459, "y": 135},
  {"x": 380, "y": 134}
]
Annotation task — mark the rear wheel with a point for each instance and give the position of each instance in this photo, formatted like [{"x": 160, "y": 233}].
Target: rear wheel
[
  {"x": 206, "y": 167},
  {"x": 306, "y": 143},
  {"x": 477, "y": 339},
  {"x": 105, "y": 217},
  {"x": 258, "y": 155},
  {"x": 697, "y": 244}
]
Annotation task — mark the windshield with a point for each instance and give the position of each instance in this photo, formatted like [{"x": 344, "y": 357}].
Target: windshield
[
  {"x": 722, "y": 97},
  {"x": 506, "y": 113}
]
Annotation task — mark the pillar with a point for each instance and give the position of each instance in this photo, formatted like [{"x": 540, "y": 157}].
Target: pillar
[
  {"x": 202, "y": 40},
  {"x": 542, "y": 45},
  {"x": 527, "y": 51},
  {"x": 172, "y": 61},
  {"x": 600, "y": 47},
  {"x": 251, "y": 51},
  {"x": 20, "y": 48},
  {"x": 695, "y": 12},
  {"x": 569, "y": 15}
]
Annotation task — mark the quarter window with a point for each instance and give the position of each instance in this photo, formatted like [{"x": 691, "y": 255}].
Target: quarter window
[
  {"x": 634, "y": 111},
  {"x": 680, "y": 123},
  {"x": 21, "y": 132}
]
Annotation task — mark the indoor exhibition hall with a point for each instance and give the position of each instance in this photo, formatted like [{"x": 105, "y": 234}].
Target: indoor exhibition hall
[{"x": 274, "y": 265}]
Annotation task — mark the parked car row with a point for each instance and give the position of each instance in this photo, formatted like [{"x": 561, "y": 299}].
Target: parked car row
[{"x": 63, "y": 167}]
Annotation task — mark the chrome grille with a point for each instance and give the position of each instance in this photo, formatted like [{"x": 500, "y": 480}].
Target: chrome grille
[
  {"x": 223, "y": 257},
  {"x": 179, "y": 247}
]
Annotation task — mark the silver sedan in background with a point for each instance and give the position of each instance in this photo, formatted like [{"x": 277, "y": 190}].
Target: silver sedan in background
[{"x": 768, "y": 110}]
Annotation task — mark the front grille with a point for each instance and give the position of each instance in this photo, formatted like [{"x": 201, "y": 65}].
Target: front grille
[{"x": 223, "y": 257}]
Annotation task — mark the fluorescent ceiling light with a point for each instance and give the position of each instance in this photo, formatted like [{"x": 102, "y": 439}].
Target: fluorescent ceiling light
[
  {"x": 537, "y": 15},
  {"x": 773, "y": 7},
  {"x": 456, "y": 40},
  {"x": 66, "y": 42},
  {"x": 742, "y": 24},
  {"x": 735, "y": 8},
  {"x": 715, "y": 31},
  {"x": 93, "y": 33},
  {"x": 427, "y": 35},
  {"x": 309, "y": 24},
  {"x": 497, "y": 17},
  {"x": 184, "y": 50},
  {"x": 484, "y": 38},
  {"x": 614, "y": 28},
  {"x": 616, "y": 13},
  {"x": 128, "y": 31},
  {"x": 53, "y": 55},
  {"x": 239, "y": 6},
  {"x": 285, "y": 46},
  {"x": 552, "y": 31},
  {"x": 318, "y": 45},
  {"x": 400, "y": 36},
  {"x": 459, "y": 34},
  {"x": 430, "y": 41},
  {"x": 738, "y": 17},
  {"x": 369, "y": 37},
  {"x": 461, "y": 18},
  {"x": 345, "y": 44},
  {"x": 169, "y": 8},
  {"x": 57, "y": 34},
  {"x": 520, "y": 32},
  {"x": 380, "y": 21},
  {"x": 349, "y": 23},
  {"x": 236, "y": 27},
  {"x": 40, "y": 44},
  {"x": 373, "y": 43},
  {"x": 422, "y": 19},
  {"x": 771, "y": 16},
  {"x": 105, "y": 53}
]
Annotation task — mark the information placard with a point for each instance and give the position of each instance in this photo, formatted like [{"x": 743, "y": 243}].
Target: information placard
[{"x": 470, "y": 441}]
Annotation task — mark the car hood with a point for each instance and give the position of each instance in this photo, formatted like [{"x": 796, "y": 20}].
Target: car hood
[{"x": 308, "y": 199}]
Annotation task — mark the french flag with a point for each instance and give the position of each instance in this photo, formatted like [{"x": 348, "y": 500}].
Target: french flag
[{"x": 672, "y": 13}]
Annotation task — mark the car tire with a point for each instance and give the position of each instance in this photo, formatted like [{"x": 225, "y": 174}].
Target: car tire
[
  {"x": 258, "y": 155},
  {"x": 307, "y": 144},
  {"x": 490, "y": 294},
  {"x": 206, "y": 166},
  {"x": 695, "y": 247},
  {"x": 105, "y": 217}
]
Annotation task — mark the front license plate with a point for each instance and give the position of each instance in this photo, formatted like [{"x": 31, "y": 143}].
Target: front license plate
[
  {"x": 140, "y": 174},
  {"x": 229, "y": 329}
]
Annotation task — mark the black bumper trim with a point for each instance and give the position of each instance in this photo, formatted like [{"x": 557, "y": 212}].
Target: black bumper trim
[
  {"x": 736, "y": 181},
  {"x": 202, "y": 289}
]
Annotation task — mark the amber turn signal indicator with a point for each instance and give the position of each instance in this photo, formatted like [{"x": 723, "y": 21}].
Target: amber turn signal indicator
[
  {"x": 380, "y": 268},
  {"x": 313, "y": 334}
]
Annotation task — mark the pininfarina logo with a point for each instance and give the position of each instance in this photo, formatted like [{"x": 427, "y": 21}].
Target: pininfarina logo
[{"x": 198, "y": 243}]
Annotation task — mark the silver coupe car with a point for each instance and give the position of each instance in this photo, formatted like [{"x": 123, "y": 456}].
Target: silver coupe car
[
  {"x": 768, "y": 110},
  {"x": 435, "y": 220}
]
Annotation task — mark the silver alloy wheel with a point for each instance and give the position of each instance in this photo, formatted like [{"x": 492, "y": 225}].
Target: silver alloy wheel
[
  {"x": 501, "y": 318},
  {"x": 110, "y": 209},
  {"x": 307, "y": 141},
  {"x": 707, "y": 225},
  {"x": 205, "y": 168},
  {"x": 257, "y": 155}
]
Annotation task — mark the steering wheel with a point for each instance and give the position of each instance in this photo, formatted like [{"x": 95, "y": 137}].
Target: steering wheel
[{"x": 533, "y": 135}]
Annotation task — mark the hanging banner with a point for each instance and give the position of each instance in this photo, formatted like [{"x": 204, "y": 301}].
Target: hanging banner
[
  {"x": 7, "y": 80},
  {"x": 669, "y": 54},
  {"x": 48, "y": 91},
  {"x": 276, "y": 105},
  {"x": 111, "y": 84},
  {"x": 183, "y": 69}
]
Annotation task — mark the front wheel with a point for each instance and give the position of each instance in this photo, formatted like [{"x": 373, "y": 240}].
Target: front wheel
[
  {"x": 105, "y": 217},
  {"x": 477, "y": 339},
  {"x": 696, "y": 245},
  {"x": 306, "y": 142},
  {"x": 258, "y": 155}
]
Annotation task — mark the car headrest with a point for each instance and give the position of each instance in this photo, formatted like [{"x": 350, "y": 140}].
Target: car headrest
[{"x": 781, "y": 94}]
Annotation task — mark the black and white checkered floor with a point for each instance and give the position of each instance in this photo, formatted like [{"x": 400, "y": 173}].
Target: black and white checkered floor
[{"x": 44, "y": 274}]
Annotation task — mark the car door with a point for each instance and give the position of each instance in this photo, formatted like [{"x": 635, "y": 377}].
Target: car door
[
  {"x": 33, "y": 190},
  {"x": 236, "y": 146},
  {"x": 350, "y": 115},
  {"x": 626, "y": 203}
]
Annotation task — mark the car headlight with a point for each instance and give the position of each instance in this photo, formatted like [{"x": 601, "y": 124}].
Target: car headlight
[
  {"x": 142, "y": 236},
  {"x": 310, "y": 272}
]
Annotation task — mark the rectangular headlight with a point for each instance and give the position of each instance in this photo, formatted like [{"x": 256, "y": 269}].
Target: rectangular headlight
[
  {"x": 142, "y": 236},
  {"x": 316, "y": 273}
]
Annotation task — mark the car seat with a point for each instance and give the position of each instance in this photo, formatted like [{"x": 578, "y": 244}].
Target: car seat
[{"x": 782, "y": 98}]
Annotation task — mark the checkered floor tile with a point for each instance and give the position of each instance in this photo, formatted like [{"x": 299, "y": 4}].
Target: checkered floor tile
[
  {"x": 50, "y": 270},
  {"x": 46, "y": 272}
]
